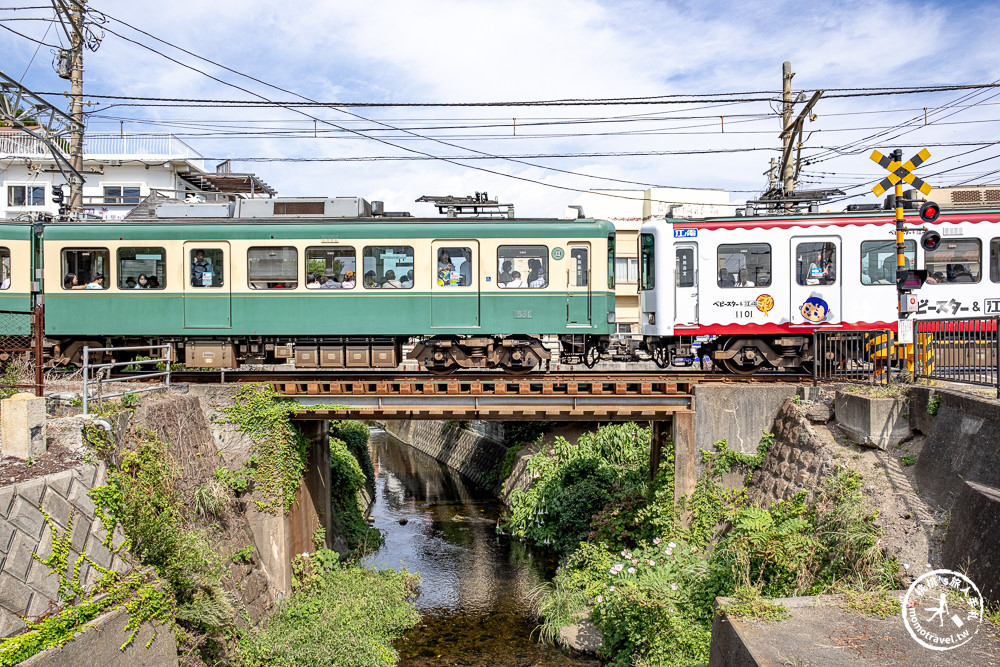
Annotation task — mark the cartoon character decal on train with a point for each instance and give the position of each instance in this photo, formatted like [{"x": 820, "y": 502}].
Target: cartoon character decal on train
[{"x": 815, "y": 309}]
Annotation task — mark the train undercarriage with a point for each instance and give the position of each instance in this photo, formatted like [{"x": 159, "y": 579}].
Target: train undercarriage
[
  {"x": 742, "y": 355},
  {"x": 440, "y": 354}
]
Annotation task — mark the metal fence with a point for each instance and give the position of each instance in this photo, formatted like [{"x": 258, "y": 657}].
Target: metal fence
[
  {"x": 866, "y": 357},
  {"x": 965, "y": 351},
  {"x": 98, "y": 375},
  {"x": 21, "y": 360}
]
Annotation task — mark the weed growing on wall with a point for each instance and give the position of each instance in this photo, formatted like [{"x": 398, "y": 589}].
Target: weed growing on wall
[
  {"x": 354, "y": 435},
  {"x": 278, "y": 457}
]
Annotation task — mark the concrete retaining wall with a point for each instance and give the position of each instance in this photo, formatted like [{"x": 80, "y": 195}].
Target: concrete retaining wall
[
  {"x": 475, "y": 456},
  {"x": 963, "y": 443},
  {"x": 736, "y": 413},
  {"x": 26, "y": 587},
  {"x": 99, "y": 646},
  {"x": 873, "y": 422},
  {"x": 971, "y": 545}
]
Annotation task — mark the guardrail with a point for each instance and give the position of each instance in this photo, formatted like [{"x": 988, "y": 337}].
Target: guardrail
[
  {"x": 866, "y": 357},
  {"x": 21, "y": 340},
  {"x": 101, "y": 381},
  {"x": 965, "y": 351}
]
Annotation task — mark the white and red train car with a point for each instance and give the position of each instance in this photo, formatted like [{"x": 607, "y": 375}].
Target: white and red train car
[{"x": 759, "y": 286}]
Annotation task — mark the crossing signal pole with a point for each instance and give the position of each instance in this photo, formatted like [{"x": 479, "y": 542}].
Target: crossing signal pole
[{"x": 906, "y": 280}]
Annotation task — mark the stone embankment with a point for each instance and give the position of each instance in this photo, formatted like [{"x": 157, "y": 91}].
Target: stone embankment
[{"x": 474, "y": 449}]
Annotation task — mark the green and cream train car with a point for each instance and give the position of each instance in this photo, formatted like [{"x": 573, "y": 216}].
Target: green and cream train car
[{"x": 330, "y": 292}]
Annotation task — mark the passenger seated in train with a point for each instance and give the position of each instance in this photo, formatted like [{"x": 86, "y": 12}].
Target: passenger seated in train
[
  {"x": 935, "y": 278},
  {"x": 465, "y": 270},
  {"x": 97, "y": 282},
  {"x": 962, "y": 274},
  {"x": 390, "y": 280},
  {"x": 540, "y": 279},
  {"x": 142, "y": 283},
  {"x": 313, "y": 282},
  {"x": 72, "y": 282},
  {"x": 504, "y": 276},
  {"x": 371, "y": 280},
  {"x": 332, "y": 282},
  {"x": 348, "y": 280},
  {"x": 407, "y": 281},
  {"x": 743, "y": 279},
  {"x": 535, "y": 266},
  {"x": 725, "y": 278},
  {"x": 130, "y": 283},
  {"x": 154, "y": 282},
  {"x": 515, "y": 280}
]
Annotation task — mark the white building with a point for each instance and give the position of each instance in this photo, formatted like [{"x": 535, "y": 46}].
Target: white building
[
  {"x": 121, "y": 170},
  {"x": 627, "y": 210}
]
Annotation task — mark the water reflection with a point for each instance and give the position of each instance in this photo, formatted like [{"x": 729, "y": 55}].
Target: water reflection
[{"x": 474, "y": 597}]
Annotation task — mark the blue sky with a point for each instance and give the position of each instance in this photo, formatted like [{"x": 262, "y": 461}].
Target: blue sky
[{"x": 460, "y": 51}]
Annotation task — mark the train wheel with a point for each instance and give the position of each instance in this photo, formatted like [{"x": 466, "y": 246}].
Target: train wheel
[
  {"x": 740, "y": 367},
  {"x": 591, "y": 356}
]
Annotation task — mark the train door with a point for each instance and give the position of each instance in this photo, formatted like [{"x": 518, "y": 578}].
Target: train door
[
  {"x": 455, "y": 288},
  {"x": 685, "y": 283},
  {"x": 816, "y": 280},
  {"x": 207, "y": 285},
  {"x": 578, "y": 291}
]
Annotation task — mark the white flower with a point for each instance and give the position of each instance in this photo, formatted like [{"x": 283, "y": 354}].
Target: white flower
[
  {"x": 673, "y": 587},
  {"x": 612, "y": 589},
  {"x": 614, "y": 571},
  {"x": 671, "y": 545},
  {"x": 656, "y": 540},
  {"x": 652, "y": 562},
  {"x": 600, "y": 599},
  {"x": 624, "y": 553},
  {"x": 670, "y": 552},
  {"x": 631, "y": 570}
]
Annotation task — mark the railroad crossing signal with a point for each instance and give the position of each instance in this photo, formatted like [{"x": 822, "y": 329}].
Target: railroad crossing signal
[{"x": 900, "y": 172}]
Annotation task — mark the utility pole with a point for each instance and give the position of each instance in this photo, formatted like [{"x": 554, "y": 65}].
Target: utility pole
[
  {"x": 77, "y": 10},
  {"x": 787, "y": 172}
]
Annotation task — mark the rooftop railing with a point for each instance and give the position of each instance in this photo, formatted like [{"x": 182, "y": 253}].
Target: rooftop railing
[{"x": 104, "y": 146}]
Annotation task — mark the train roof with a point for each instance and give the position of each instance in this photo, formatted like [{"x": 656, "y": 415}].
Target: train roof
[{"x": 839, "y": 219}]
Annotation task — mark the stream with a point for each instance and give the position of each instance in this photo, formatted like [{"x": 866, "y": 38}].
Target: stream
[{"x": 475, "y": 596}]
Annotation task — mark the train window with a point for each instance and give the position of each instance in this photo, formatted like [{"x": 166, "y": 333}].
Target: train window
[
  {"x": 142, "y": 268},
  {"x": 954, "y": 261},
  {"x": 744, "y": 265},
  {"x": 206, "y": 267},
  {"x": 580, "y": 266},
  {"x": 995, "y": 260},
  {"x": 612, "y": 262},
  {"x": 273, "y": 267},
  {"x": 684, "y": 267},
  {"x": 4, "y": 268},
  {"x": 878, "y": 261},
  {"x": 331, "y": 267},
  {"x": 85, "y": 268},
  {"x": 523, "y": 266},
  {"x": 454, "y": 266},
  {"x": 388, "y": 266},
  {"x": 816, "y": 263},
  {"x": 647, "y": 263}
]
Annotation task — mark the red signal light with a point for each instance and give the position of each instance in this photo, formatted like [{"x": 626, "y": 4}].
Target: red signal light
[
  {"x": 929, "y": 212},
  {"x": 930, "y": 240}
]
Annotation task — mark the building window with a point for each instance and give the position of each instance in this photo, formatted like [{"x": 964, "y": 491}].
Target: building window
[
  {"x": 388, "y": 266},
  {"x": 85, "y": 268},
  {"x": 121, "y": 194},
  {"x": 142, "y": 268},
  {"x": 4, "y": 268},
  {"x": 954, "y": 261},
  {"x": 647, "y": 269},
  {"x": 816, "y": 263},
  {"x": 273, "y": 267},
  {"x": 878, "y": 261},
  {"x": 627, "y": 269},
  {"x": 523, "y": 266},
  {"x": 206, "y": 267},
  {"x": 25, "y": 195},
  {"x": 744, "y": 265},
  {"x": 331, "y": 268}
]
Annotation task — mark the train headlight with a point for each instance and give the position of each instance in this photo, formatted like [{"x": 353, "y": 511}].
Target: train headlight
[
  {"x": 611, "y": 317},
  {"x": 651, "y": 318}
]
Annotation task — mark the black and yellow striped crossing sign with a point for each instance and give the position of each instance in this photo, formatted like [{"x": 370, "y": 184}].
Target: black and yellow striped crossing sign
[{"x": 900, "y": 172}]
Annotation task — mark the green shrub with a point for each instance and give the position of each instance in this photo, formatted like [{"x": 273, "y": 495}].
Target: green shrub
[
  {"x": 345, "y": 615},
  {"x": 346, "y": 479},
  {"x": 355, "y": 435}
]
